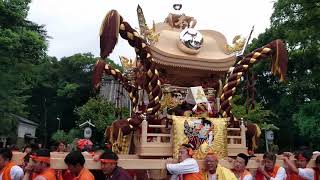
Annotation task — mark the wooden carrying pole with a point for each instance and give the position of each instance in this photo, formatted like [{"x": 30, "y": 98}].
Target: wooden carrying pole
[{"x": 133, "y": 162}]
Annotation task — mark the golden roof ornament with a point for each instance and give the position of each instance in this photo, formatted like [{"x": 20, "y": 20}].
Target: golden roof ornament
[
  {"x": 127, "y": 63},
  {"x": 238, "y": 43},
  {"x": 149, "y": 35},
  {"x": 129, "y": 67}
]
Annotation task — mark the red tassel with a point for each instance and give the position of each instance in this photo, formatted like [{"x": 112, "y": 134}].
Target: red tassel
[
  {"x": 279, "y": 59},
  {"x": 109, "y": 33},
  {"x": 98, "y": 73}
]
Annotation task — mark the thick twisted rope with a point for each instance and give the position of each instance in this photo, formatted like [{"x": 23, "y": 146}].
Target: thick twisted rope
[
  {"x": 275, "y": 49},
  {"x": 112, "y": 26},
  {"x": 152, "y": 84},
  {"x": 102, "y": 67}
]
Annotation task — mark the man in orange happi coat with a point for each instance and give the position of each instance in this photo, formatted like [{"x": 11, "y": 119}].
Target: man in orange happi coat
[
  {"x": 8, "y": 170},
  {"x": 269, "y": 169},
  {"x": 299, "y": 170},
  {"x": 187, "y": 168},
  {"x": 40, "y": 167},
  {"x": 75, "y": 162}
]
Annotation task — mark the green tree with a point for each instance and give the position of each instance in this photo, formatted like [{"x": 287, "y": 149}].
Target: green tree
[
  {"x": 258, "y": 115},
  {"x": 33, "y": 85},
  {"x": 22, "y": 46},
  {"x": 306, "y": 120},
  {"x": 296, "y": 23},
  {"x": 68, "y": 138},
  {"x": 101, "y": 112},
  {"x": 59, "y": 135},
  {"x": 60, "y": 87}
]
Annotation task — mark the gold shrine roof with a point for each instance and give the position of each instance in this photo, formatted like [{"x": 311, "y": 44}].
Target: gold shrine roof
[{"x": 211, "y": 56}]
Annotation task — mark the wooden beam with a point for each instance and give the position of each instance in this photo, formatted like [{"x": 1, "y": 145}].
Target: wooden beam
[{"x": 134, "y": 162}]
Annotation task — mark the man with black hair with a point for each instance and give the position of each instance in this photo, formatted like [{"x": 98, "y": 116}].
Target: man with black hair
[
  {"x": 240, "y": 170},
  {"x": 269, "y": 169},
  {"x": 299, "y": 170},
  {"x": 75, "y": 162},
  {"x": 110, "y": 168},
  {"x": 187, "y": 168},
  {"x": 40, "y": 167},
  {"x": 8, "y": 170}
]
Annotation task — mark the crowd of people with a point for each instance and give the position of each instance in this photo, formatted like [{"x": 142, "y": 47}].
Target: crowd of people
[
  {"x": 186, "y": 168},
  {"x": 36, "y": 164}
]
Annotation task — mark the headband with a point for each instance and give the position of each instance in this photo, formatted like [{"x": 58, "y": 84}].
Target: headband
[
  {"x": 108, "y": 161},
  {"x": 300, "y": 157},
  {"x": 41, "y": 159}
]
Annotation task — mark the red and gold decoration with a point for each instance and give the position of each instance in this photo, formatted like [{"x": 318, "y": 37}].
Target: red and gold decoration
[
  {"x": 276, "y": 49},
  {"x": 112, "y": 26}
]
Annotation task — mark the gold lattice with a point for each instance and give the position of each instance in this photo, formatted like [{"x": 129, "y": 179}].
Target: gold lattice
[
  {"x": 122, "y": 144},
  {"x": 220, "y": 147},
  {"x": 168, "y": 101}
]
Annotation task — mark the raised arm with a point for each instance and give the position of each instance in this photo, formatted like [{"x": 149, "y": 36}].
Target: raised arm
[
  {"x": 185, "y": 167},
  {"x": 290, "y": 165}
]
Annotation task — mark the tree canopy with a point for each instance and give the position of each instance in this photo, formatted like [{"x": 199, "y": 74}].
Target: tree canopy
[
  {"x": 22, "y": 46},
  {"x": 296, "y": 22}
]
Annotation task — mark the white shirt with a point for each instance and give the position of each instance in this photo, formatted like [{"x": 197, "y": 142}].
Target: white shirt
[
  {"x": 212, "y": 176},
  {"x": 16, "y": 173},
  {"x": 306, "y": 173},
  {"x": 187, "y": 166},
  {"x": 246, "y": 177}
]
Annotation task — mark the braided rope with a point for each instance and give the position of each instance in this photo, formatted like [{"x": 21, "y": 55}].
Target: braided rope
[
  {"x": 132, "y": 91},
  {"x": 239, "y": 70},
  {"x": 112, "y": 26},
  {"x": 152, "y": 84}
]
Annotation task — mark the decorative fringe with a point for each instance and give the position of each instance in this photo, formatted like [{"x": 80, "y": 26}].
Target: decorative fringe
[
  {"x": 98, "y": 72},
  {"x": 109, "y": 33},
  {"x": 279, "y": 59},
  {"x": 255, "y": 137}
]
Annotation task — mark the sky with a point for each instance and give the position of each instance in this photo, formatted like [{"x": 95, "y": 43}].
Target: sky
[{"x": 74, "y": 25}]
